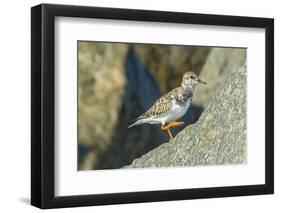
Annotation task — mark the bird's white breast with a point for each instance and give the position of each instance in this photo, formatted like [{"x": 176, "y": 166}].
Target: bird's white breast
[{"x": 177, "y": 111}]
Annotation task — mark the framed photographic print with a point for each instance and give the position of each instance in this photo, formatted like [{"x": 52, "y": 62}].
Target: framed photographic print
[{"x": 140, "y": 106}]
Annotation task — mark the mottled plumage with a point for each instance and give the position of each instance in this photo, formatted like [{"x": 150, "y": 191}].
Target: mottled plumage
[
  {"x": 164, "y": 103},
  {"x": 172, "y": 105}
]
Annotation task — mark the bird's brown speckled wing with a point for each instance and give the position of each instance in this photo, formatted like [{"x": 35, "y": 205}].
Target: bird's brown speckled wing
[{"x": 160, "y": 107}]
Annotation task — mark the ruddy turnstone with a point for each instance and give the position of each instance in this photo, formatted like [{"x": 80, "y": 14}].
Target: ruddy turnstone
[{"x": 171, "y": 106}]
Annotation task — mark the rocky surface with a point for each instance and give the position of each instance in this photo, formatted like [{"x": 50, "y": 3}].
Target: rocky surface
[
  {"x": 218, "y": 137},
  {"x": 101, "y": 89},
  {"x": 219, "y": 64}
]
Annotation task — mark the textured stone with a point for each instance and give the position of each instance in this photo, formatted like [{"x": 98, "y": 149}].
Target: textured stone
[
  {"x": 101, "y": 87},
  {"x": 219, "y": 64},
  {"x": 218, "y": 137}
]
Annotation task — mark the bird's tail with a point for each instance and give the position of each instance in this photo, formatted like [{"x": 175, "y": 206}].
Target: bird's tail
[{"x": 137, "y": 122}]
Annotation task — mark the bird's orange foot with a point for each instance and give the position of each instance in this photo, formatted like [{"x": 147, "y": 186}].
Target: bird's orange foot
[{"x": 172, "y": 125}]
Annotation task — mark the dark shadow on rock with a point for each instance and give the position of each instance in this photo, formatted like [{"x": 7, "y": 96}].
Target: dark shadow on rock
[{"x": 128, "y": 144}]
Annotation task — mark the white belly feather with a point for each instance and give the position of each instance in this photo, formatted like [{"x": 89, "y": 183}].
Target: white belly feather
[{"x": 176, "y": 113}]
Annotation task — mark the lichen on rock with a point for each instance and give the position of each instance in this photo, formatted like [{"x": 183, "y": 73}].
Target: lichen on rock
[{"x": 218, "y": 137}]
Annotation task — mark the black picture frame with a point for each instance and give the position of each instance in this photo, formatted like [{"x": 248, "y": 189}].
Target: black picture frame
[{"x": 43, "y": 102}]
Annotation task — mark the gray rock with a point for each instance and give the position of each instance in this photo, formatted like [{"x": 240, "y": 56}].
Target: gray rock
[
  {"x": 219, "y": 64},
  {"x": 218, "y": 137}
]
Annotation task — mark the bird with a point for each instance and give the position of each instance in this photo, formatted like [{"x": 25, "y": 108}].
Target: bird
[{"x": 171, "y": 106}]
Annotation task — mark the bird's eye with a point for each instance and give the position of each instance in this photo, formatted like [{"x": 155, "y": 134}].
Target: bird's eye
[{"x": 192, "y": 77}]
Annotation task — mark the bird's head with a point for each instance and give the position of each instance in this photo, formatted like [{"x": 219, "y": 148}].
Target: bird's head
[{"x": 190, "y": 79}]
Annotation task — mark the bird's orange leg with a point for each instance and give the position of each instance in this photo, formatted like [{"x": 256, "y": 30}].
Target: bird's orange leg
[
  {"x": 164, "y": 128},
  {"x": 172, "y": 125}
]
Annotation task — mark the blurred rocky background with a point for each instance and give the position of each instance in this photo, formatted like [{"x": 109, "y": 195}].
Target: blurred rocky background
[{"x": 118, "y": 82}]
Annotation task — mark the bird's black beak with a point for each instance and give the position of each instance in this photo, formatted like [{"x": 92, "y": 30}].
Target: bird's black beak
[{"x": 201, "y": 82}]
